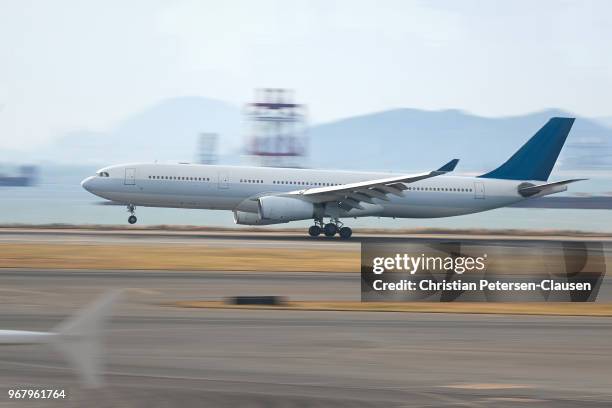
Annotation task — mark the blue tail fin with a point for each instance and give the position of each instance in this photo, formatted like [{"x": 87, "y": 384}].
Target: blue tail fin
[{"x": 535, "y": 160}]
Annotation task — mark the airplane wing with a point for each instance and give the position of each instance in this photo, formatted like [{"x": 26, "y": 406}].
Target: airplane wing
[{"x": 350, "y": 195}]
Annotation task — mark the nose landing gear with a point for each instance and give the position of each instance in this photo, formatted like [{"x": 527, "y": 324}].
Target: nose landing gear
[
  {"x": 132, "y": 218},
  {"x": 330, "y": 229}
]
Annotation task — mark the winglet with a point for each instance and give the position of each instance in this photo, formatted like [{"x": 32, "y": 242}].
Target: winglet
[{"x": 450, "y": 166}]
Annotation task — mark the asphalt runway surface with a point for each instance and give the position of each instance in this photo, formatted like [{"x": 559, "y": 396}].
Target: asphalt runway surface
[
  {"x": 232, "y": 239},
  {"x": 274, "y": 239},
  {"x": 159, "y": 355}
]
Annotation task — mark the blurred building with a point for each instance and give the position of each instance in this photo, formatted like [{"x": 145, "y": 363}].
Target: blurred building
[
  {"x": 277, "y": 129},
  {"x": 207, "y": 148},
  {"x": 25, "y": 177}
]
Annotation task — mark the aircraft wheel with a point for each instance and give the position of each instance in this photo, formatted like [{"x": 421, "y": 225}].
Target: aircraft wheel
[
  {"x": 345, "y": 232},
  {"x": 314, "y": 231},
  {"x": 330, "y": 230},
  {"x": 132, "y": 219}
]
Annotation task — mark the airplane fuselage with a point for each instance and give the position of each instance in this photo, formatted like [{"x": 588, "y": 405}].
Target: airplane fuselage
[{"x": 235, "y": 188}]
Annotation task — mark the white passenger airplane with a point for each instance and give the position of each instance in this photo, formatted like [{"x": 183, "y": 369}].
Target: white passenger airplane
[{"x": 263, "y": 196}]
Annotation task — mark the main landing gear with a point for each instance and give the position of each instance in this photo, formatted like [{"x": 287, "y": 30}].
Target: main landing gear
[
  {"x": 132, "y": 218},
  {"x": 330, "y": 229}
]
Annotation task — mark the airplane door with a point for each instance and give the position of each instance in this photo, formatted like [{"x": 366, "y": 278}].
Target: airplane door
[
  {"x": 130, "y": 177},
  {"x": 479, "y": 190},
  {"x": 223, "y": 182}
]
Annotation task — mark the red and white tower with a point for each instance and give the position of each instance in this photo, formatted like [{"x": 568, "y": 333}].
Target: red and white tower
[{"x": 278, "y": 131}]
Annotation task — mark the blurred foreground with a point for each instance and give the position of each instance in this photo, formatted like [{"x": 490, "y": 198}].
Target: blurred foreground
[{"x": 161, "y": 355}]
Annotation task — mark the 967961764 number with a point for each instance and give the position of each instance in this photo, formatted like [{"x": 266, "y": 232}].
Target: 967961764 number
[{"x": 35, "y": 393}]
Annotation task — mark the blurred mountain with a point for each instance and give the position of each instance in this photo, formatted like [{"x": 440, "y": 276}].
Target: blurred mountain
[
  {"x": 166, "y": 131},
  {"x": 412, "y": 139},
  {"x": 605, "y": 120},
  {"x": 396, "y": 140}
]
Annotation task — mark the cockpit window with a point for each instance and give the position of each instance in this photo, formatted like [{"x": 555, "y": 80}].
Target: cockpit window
[{"x": 102, "y": 174}]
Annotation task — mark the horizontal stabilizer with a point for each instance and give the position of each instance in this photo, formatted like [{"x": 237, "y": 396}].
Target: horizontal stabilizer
[{"x": 530, "y": 190}]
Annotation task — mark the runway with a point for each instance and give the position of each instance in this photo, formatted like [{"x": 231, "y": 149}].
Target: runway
[
  {"x": 160, "y": 355},
  {"x": 271, "y": 239},
  {"x": 226, "y": 238}
]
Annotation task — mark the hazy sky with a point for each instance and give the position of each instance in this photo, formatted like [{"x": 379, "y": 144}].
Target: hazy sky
[{"x": 67, "y": 65}]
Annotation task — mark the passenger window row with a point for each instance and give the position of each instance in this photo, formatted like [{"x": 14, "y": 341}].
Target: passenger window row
[
  {"x": 460, "y": 190},
  {"x": 305, "y": 183},
  {"x": 297, "y": 183},
  {"x": 179, "y": 178}
]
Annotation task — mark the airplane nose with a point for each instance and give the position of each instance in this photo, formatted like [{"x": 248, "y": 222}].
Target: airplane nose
[{"x": 87, "y": 183}]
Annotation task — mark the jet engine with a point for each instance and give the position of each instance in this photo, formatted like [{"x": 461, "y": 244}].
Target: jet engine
[
  {"x": 251, "y": 218},
  {"x": 284, "y": 209}
]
